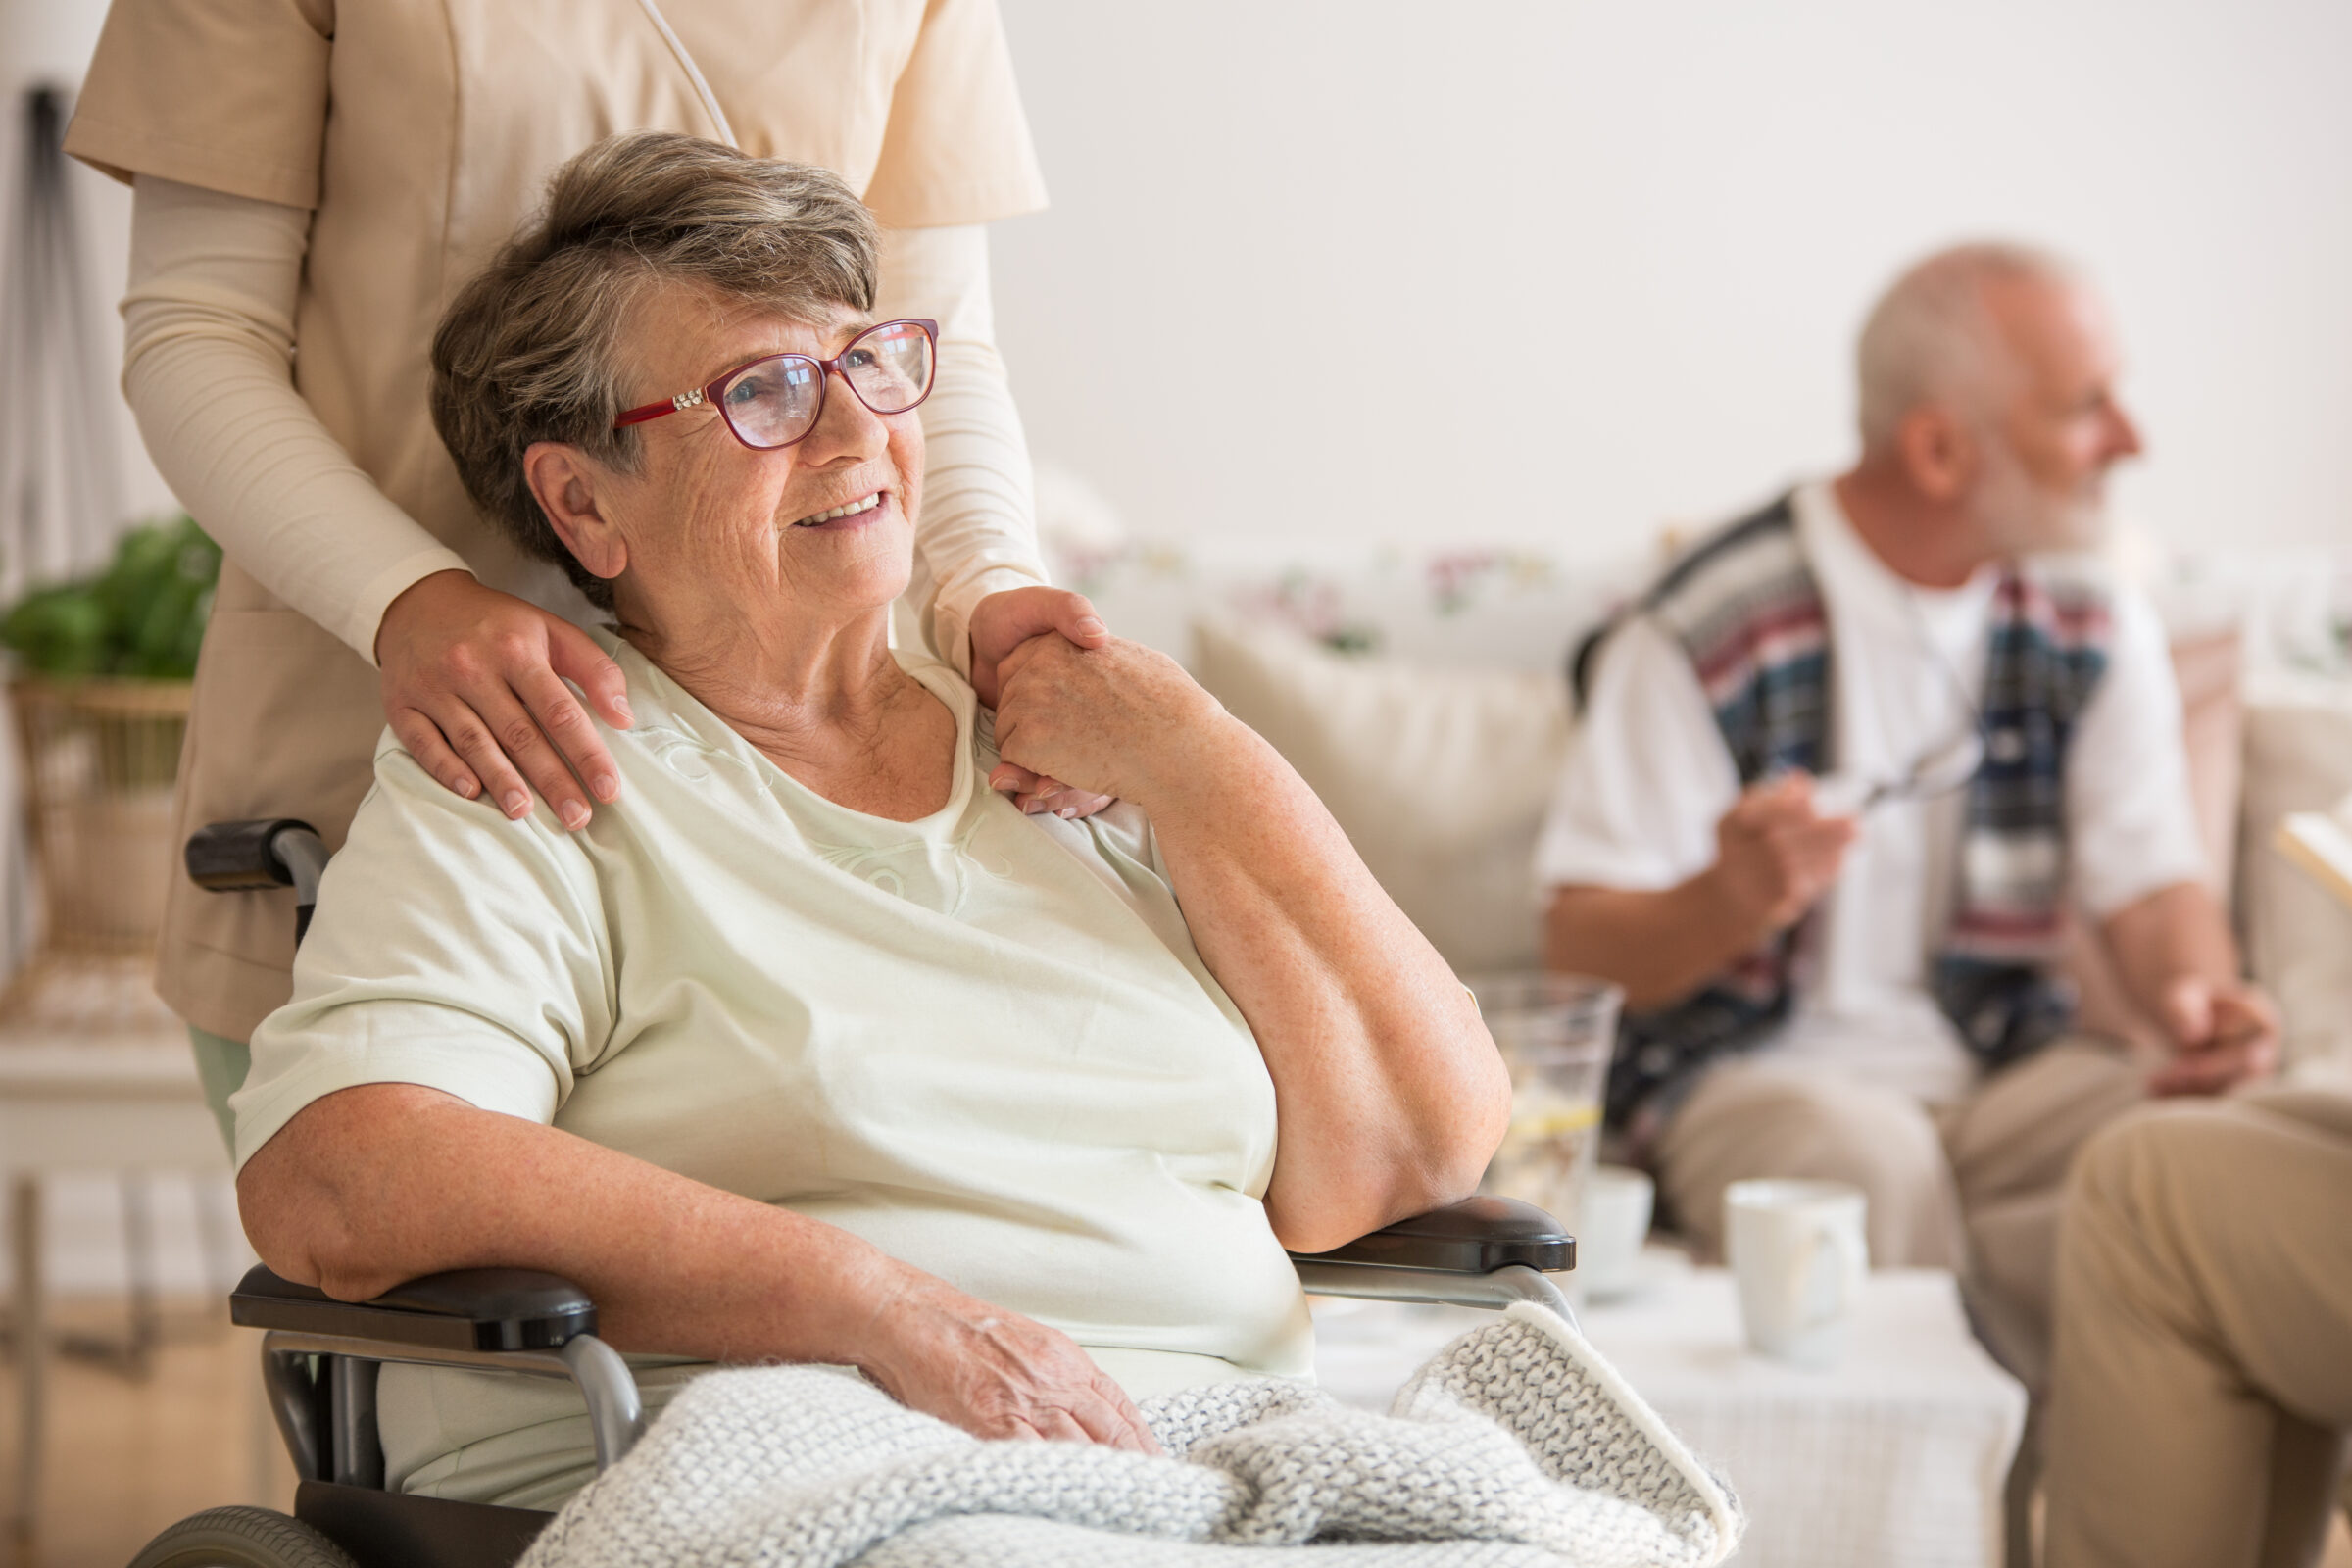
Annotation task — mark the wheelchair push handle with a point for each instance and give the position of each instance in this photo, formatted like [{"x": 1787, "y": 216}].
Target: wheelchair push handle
[{"x": 279, "y": 851}]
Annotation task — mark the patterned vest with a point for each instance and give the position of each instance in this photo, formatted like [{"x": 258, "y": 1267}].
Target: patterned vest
[{"x": 1745, "y": 608}]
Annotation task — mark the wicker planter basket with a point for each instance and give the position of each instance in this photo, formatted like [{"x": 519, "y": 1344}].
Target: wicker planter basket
[{"x": 101, "y": 757}]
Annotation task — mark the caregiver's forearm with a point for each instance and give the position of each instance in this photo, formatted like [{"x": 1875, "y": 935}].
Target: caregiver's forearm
[
  {"x": 977, "y": 534},
  {"x": 208, "y": 346},
  {"x": 1391, "y": 1093},
  {"x": 375, "y": 1186}
]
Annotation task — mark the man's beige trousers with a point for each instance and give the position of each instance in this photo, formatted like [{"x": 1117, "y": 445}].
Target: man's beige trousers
[
  {"x": 2203, "y": 1381},
  {"x": 1975, "y": 1186}
]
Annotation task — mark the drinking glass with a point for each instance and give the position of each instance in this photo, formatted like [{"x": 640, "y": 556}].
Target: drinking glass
[{"x": 1555, "y": 1033}]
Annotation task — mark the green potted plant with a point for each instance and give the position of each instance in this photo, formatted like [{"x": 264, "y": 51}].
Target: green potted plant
[{"x": 100, "y": 688}]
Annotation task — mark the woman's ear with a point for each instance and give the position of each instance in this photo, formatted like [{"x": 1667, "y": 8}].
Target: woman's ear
[{"x": 568, "y": 486}]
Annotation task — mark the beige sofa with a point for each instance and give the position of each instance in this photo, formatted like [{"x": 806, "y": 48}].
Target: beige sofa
[{"x": 1423, "y": 696}]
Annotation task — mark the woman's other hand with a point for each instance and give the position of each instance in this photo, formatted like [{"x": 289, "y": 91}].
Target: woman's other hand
[
  {"x": 473, "y": 687},
  {"x": 1117, "y": 720},
  {"x": 993, "y": 1373},
  {"x": 1003, "y": 622}
]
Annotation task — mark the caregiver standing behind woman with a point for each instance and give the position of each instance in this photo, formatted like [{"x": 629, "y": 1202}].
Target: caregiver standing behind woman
[{"x": 314, "y": 178}]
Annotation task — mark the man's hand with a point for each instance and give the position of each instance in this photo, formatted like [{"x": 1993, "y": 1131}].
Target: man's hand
[
  {"x": 473, "y": 687},
  {"x": 2222, "y": 1034},
  {"x": 1775, "y": 854},
  {"x": 1000, "y": 623},
  {"x": 993, "y": 1373}
]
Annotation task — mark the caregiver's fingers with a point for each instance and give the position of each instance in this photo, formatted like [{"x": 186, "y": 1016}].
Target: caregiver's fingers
[
  {"x": 1011, "y": 778},
  {"x": 580, "y": 750},
  {"x": 424, "y": 741},
  {"x": 1038, "y": 795},
  {"x": 575, "y": 656},
  {"x": 470, "y": 738},
  {"x": 1055, "y": 798},
  {"x": 523, "y": 735}
]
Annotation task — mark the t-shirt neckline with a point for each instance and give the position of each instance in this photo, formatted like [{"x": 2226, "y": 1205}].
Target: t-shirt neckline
[{"x": 697, "y": 718}]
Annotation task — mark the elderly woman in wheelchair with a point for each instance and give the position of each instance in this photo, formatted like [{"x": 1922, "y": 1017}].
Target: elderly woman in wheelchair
[{"x": 813, "y": 1046}]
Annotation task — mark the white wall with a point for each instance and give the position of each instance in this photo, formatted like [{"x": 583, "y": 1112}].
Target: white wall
[
  {"x": 1573, "y": 269},
  {"x": 50, "y": 41}
]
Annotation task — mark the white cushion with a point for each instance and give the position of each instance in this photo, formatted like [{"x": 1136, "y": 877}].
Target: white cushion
[
  {"x": 1439, "y": 777},
  {"x": 2299, "y": 938}
]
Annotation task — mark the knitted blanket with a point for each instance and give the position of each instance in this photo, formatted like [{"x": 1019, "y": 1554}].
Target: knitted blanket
[{"x": 1516, "y": 1445}]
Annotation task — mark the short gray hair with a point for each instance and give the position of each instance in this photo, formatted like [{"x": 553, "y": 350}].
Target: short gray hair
[
  {"x": 1931, "y": 335},
  {"x": 530, "y": 350}
]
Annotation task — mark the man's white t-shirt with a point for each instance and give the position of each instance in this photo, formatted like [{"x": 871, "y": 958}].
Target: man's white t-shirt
[{"x": 1649, "y": 776}]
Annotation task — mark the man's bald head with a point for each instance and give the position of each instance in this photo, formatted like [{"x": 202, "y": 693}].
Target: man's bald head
[
  {"x": 1936, "y": 335},
  {"x": 1987, "y": 379}
]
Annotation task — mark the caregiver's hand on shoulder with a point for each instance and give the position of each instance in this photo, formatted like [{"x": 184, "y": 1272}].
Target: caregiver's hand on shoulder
[
  {"x": 993, "y": 1373},
  {"x": 1121, "y": 720},
  {"x": 1003, "y": 622},
  {"x": 473, "y": 687}
]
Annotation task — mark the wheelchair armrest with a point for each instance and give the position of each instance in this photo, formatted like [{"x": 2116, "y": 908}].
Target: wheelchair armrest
[
  {"x": 232, "y": 857},
  {"x": 1475, "y": 1236},
  {"x": 277, "y": 852},
  {"x": 464, "y": 1309}
]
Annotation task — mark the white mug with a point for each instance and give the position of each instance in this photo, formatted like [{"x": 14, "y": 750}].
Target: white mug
[
  {"x": 1798, "y": 1252},
  {"x": 1612, "y": 1223}
]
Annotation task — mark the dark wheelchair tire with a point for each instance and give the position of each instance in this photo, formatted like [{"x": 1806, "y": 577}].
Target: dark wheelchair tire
[{"x": 241, "y": 1537}]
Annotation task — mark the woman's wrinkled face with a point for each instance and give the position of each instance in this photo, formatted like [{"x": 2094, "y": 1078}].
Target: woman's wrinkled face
[{"x": 710, "y": 526}]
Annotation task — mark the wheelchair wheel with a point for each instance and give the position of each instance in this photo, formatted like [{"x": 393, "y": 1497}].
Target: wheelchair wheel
[{"x": 241, "y": 1537}]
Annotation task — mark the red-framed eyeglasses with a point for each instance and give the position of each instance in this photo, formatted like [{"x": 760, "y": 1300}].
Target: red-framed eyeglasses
[{"x": 777, "y": 399}]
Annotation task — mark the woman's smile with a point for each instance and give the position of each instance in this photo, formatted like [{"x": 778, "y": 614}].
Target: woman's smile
[{"x": 855, "y": 514}]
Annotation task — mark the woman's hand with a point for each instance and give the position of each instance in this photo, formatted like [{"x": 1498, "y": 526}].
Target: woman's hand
[
  {"x": 993, "y": 1373},
  {"x": 473, "y": 686},
  {"x": 1003, "y": 622},
  {"x": 1388, "y": 1092},
  {"x": 1121, "y": 720}
]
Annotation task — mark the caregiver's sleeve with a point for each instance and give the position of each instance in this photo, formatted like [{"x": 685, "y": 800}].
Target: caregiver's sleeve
[
  {"x": 227, "y": 94},
  {"x": 978, "y": 533},
  {"x": 452, "y": 949},
  {"x": 956, "y": 154},
  {"x": 207, "y": 349}
]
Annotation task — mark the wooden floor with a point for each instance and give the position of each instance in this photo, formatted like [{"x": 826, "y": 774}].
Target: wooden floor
[{"x": 127, "y": 1458}]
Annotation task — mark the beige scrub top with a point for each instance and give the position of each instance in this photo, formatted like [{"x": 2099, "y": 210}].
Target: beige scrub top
[{"x": 421, "y": 134}]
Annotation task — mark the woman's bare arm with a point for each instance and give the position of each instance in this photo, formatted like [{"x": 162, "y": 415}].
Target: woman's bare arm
[
  {"x": 1391, "y": 1093},
  {"x": 373, "y": 1186}
]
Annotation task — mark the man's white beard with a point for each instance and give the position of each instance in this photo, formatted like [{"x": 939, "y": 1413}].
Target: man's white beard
[{"x": 2022, "y": 518}]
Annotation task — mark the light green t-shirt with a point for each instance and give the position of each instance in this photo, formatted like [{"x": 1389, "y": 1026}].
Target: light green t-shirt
[{"x": 982, "y": 1041}]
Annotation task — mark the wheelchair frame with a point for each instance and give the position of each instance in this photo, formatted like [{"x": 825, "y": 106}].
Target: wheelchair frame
[{"x": 320, "y": 1356}]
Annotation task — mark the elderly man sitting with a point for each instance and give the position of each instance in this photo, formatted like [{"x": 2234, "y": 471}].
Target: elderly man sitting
[
  {"x": 814, "y": 1047},
  {"x": 1839, "y": 776}
]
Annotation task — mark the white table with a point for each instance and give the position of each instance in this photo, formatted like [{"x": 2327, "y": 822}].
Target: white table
[
  {"x": 1895, "y": 1459},
  {"x": 82, "y": 1102}
]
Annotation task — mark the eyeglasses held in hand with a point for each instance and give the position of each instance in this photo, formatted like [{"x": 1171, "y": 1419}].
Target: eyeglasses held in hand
[
  {"x": 777, "y": 399},
  {"x": 1949, "y": 768}
]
